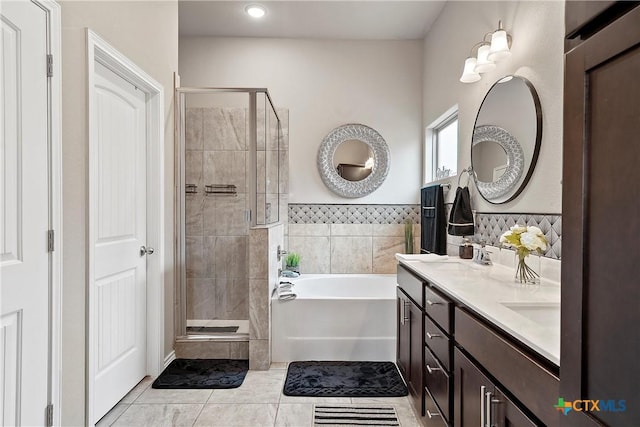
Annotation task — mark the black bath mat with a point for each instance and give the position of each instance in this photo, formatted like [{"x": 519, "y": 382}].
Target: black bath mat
[
  {"x": 212, "y": 329},
  {"x": 344, "y": 379},
  {"x": 203, "y": 373}
]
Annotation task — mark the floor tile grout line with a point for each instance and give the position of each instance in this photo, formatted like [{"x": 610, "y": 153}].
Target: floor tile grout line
[
  {"x": 195, "y": 420},
  {"x": 118, "y": 417}
]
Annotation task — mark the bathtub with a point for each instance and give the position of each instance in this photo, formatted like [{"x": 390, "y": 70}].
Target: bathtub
[{"x": 336, "y": 317}]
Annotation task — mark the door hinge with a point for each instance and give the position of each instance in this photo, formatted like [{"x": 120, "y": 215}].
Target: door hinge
[
  {"x": 49, "y": 65},
  {"x": 49, "y": 411},
  {"x": 50, "y": 241}
]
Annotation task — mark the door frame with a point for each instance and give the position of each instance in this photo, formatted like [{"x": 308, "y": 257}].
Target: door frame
[
  {"x": 54, "y": 159},
  {"x": 99, "y": 50}
]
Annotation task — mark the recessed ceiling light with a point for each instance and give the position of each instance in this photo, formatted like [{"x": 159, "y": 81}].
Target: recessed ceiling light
[{"x": 255, "y": 10}]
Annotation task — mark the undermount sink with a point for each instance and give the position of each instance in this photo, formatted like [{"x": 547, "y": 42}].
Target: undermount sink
[{"x": 543, "y": 313}]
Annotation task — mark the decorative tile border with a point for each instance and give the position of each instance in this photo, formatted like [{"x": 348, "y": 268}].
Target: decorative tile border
[
  {"x": 489, "y": 227},
  {"x": 352, "y": 214}
]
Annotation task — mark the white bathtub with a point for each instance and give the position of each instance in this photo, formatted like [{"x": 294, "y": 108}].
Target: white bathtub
[{"x": 336, "y": 317}]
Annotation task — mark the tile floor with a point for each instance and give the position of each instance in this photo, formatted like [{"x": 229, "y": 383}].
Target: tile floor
[{"x": 257, "y": 402}]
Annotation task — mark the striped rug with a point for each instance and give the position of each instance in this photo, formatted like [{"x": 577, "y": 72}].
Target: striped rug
[{"x": 355, "y": 415}]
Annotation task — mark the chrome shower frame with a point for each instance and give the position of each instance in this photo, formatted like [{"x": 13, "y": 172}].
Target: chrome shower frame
[{"x": 179, "y": 190}]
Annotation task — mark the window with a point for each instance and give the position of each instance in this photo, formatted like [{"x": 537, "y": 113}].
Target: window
[{"x": 441, "y": 147}]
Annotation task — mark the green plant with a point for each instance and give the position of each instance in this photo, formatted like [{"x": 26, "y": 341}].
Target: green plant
[
  {"x": 408, "y": 237},
  {"x": 292, "y": 260}
]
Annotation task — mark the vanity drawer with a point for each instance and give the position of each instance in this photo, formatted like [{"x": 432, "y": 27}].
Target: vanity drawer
[
  {"x": 432, "y": 412},
  {"x": 437, "y": 383},
  {"x": 438, "y": 342},
  {"x": 410, "y": 284},
  {"x": 534, "y": 386},
  {"x": 438, "y": 307}
]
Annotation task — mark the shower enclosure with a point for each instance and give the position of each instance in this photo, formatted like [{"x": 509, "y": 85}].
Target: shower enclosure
[{"x": 228, "y": 180}]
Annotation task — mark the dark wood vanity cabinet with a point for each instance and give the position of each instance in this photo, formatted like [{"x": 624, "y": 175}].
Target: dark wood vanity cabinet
[
  {"x": 425, "y": 342},
  {"x": 403, "y": 349},
  {"x": 438, "y": 364},
  {"x": 601, "y": 217},
  {"x": 515, "y": 370},
  {"x": 478, "y": 401},
  {"x": 448, "y": 356},
  {"x": 410, "y": 345}
]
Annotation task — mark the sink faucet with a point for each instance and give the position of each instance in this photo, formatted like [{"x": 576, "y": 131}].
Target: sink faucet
[{"x": 482, "y": 256}]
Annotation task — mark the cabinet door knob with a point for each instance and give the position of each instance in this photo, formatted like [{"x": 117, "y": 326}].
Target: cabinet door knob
[
  {"x": 432, "y": 370},
  {"x": 429, "y": 302},
  {"x": 433, "y": 414},
  {"x": 432, "y": 336},
  {"x": 483, "y": 415}
]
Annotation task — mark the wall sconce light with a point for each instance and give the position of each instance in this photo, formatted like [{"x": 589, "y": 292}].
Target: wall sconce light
[{"x": 493, "y": 47}]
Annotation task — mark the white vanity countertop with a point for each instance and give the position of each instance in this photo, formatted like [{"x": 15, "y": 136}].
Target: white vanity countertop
[{"x": 529, "y": 313}]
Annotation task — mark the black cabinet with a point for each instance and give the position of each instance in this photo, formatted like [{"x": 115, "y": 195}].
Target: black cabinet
[
  {"x": 438, "y": 340},
  {"x": 417, "y": 357},
  {"x": 403, "y": 350},
  {"x": 425, "y": 329},
  {"x": 478, "y": 401},
  {"x": 600, "y": 202},
  {"x": 410, "y": 347},
  {"x": 501, "y": 382}
]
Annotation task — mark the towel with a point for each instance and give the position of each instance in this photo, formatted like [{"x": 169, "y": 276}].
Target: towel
[
  {"x": 461, "y": 217},
  {"x": 433, "y": 221}
]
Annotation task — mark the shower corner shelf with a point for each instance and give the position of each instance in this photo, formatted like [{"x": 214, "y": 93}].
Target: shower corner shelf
[{"x": 223, "y": 189}]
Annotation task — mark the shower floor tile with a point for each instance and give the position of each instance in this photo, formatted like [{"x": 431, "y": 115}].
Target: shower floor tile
[{"x": 257, "y": 402}]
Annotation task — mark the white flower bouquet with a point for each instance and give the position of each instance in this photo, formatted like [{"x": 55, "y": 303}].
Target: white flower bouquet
[{"x": 525, "y": 240}]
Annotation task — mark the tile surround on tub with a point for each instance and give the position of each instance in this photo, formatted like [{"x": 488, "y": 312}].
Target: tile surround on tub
[{"x": 314, "y": 219}]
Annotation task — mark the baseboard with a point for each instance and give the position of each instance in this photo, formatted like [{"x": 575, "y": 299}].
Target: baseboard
[{"x": 169, "y": 358}]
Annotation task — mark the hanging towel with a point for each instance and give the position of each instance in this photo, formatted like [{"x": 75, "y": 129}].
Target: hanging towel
[
  {"x": 461, "y": 217},
  {"x": 433, "y": 220}
]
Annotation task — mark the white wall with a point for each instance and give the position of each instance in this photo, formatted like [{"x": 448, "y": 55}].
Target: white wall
[
  {"x": 537, "y": 54},
  {"x": 324, "y": 84},
  {"x": 146, "y": 32}
]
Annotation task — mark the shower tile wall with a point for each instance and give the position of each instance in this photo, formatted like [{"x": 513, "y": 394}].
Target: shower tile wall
[{"x": 216, "y": 230}]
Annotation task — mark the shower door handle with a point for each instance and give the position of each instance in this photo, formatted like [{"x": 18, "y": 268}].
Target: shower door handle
[{"x": 146, "y": 250}]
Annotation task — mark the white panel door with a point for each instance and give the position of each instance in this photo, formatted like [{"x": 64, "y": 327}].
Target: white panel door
[
  {"x": 24, "y": 215},
  {"x": 119, "y": 218}
]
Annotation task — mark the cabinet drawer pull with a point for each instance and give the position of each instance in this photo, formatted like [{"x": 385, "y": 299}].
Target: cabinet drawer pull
[
  {"x": 407, "y": 312},
  {"x": 483, "y": 415},
  {"x": 433, "y": 414},
  {"x": 432, "y": 336},
  {"x": 488, "y": 410},
  {"x": 432, "y": 370},
  {"x": 429, "y": 302}
]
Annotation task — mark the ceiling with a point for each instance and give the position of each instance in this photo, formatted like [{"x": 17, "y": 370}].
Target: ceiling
[{"x": 362, "y": 20}]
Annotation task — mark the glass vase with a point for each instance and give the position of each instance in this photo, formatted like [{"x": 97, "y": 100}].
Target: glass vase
[{"x": 527, "y": 269}]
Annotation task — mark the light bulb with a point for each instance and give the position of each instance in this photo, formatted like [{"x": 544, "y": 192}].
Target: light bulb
[
  {"x": 499, "y": 46},
  {"x": 255, "y": 10},
  {"x": 469, "y": 75},
  {"x": 483, "y": 63}
]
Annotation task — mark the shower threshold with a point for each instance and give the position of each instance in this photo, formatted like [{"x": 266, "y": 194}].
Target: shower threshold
[
  {"x": 208, "y": 330},
  {"x": 191, "y": 330}
]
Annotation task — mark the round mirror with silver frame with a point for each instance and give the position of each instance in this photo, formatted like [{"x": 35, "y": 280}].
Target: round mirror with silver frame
[
  {"x": 353, "y": 160},
  {"x": 506, "y": 139}
]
